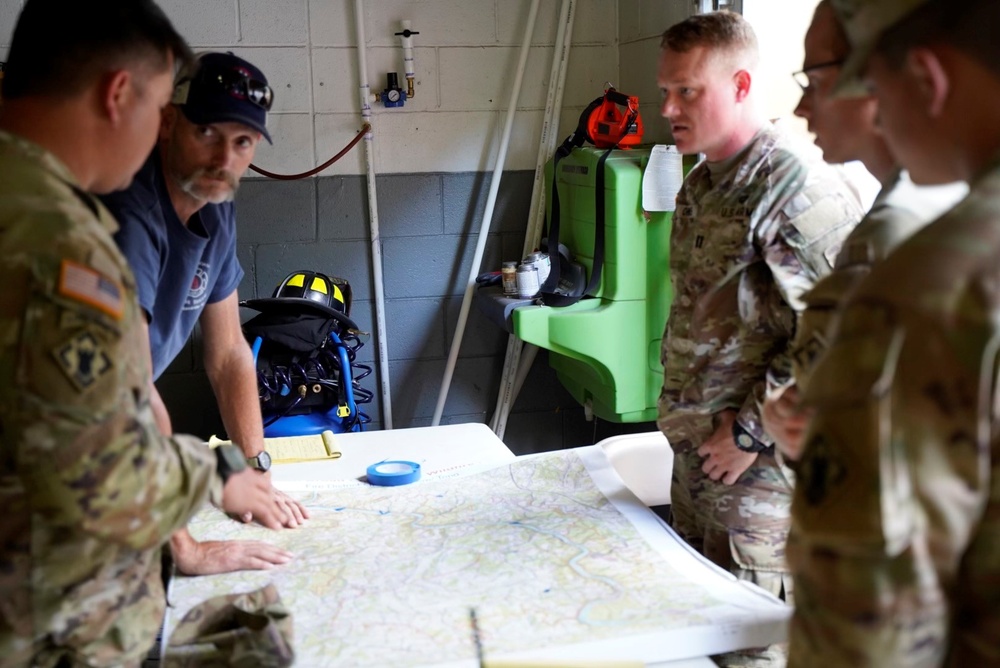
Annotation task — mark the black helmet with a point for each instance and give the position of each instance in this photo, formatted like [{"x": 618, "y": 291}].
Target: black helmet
[
  {"x": 320, "y": 288},
  {"x": 312, "y": 291}
]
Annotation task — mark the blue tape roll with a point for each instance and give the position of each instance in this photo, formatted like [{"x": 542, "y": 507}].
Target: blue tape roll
[{"x": 393, "y": 472}]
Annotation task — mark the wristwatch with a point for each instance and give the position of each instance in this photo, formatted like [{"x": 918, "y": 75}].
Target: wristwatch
[
  {"x": 262, "y": 462},
  {"x": 745, "y": 441},
  {"x": 229, "y": 461}
]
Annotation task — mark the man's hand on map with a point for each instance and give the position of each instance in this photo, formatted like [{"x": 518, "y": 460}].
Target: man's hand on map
[
  {"x": 294, "y": 513},
  {"x": 723, "y": 460},
  {"x": 224, "y": 556}
]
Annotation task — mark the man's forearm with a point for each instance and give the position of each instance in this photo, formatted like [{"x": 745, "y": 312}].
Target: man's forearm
[{"x": 234, "y": 383}]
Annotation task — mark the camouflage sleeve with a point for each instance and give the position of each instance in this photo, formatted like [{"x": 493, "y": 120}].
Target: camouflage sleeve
[
  {"x": 809, "y": 233},
  {"x": 890, "y": 489},
  {"x": 799, "y": 245},
  {"x": 779, "y": 374},
  {"x": 87, "y": 447}
]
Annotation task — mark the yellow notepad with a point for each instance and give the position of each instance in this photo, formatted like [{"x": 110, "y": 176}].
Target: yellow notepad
[
  {"x": 556, "y": 663},
  {"x": 290, "y": 449}
]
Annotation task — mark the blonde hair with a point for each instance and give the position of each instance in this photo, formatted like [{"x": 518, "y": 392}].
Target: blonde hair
[{"x": 722, "y": 31}]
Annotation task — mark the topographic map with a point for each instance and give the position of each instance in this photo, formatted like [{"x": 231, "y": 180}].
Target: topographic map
[{"x": 554, "y": 555}]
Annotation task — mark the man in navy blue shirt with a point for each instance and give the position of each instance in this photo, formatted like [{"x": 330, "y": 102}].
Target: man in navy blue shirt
[{"x": 178, "y": 231}]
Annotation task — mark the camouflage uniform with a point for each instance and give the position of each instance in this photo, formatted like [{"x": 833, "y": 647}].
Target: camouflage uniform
[
  {"x": 900, "y": 210},
  {"x": 748, "y": 240},
  {"x": 251, "y": 629},
  {"x": 89, "y": 488},
  {"x": 894, "y": 543}
]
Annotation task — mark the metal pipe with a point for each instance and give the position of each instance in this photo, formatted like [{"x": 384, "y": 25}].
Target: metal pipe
[
  {"x": 364, "y": 95},
  {"x": 484, "y": 228},
  {"x": 516, "y": 367}
]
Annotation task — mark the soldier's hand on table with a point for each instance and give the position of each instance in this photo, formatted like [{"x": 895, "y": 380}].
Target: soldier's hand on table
[
  {"x": 786, "y": 421},
  {"x": 294, "y": 513},
  {"x": 225, "y": 556},
  {"x": 248, "y": 492},
  {"x": 723, "y": 460}
]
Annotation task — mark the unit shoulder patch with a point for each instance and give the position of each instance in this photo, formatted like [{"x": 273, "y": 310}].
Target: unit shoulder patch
[{"x": 83, "y": 360}]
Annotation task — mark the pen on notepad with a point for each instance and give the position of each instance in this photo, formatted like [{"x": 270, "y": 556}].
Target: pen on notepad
[{"x": 475, "y": 636}]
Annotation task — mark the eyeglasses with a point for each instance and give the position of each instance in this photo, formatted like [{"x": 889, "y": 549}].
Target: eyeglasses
[
  {"x": 241, "y": 86},
  {"x": 802, "y": 76}
]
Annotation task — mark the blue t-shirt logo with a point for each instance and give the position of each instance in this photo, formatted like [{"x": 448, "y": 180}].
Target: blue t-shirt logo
[{"x": 198, "y": 294}]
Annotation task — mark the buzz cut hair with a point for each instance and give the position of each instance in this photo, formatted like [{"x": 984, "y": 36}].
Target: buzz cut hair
[
  {"x": 722, "y": 31},
  {"x": 61, "y": 47}
]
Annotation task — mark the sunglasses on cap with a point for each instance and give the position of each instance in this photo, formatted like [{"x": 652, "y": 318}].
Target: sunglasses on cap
[{"x": 239, "y": 85}]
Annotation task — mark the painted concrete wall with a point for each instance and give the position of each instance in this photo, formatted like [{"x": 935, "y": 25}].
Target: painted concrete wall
[
  {"x": 432, "y": 158},
  {"x": 465, "y": 56}
]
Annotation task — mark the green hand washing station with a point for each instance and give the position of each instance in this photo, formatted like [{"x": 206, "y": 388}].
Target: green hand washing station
[{"x": 606, "y": 350}]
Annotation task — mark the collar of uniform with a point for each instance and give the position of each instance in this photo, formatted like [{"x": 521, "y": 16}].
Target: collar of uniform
[
  {"x": 991, "y": 170},
  {"x": 44, "y": 158},
  {"x": 887, "y": 187},
  {"x": 737, "y": 164},
  {"x": 47, "y": 161}
]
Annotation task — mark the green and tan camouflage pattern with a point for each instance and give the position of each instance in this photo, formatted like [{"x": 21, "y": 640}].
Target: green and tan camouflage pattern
[
  {"x": 895, "y": 540},
  {"x": 252, "y": 630},
  {"x": 89, "y": 488},
  {"x": 899, "y": 211},
  {"x": 865, "y": 21},
  {"x": 747, "y": 243}
]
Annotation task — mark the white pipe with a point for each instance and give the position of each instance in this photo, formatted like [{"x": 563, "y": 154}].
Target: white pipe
[
  {"x": 550, "y": 126},
  {"x": 524, "y": 367},
  {"x": 407, "y": 41},
  {"x": 515, "y": 368},
  {"x": 364, "y": 93},
  {"x": 484, "y": 228}
]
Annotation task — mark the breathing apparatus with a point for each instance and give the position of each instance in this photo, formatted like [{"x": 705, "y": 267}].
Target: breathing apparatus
[
  {"x": 305, "y": 346},
  {"x": 605, "y": 126}
]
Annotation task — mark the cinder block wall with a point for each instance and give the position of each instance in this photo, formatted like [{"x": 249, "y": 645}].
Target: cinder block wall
[{"x": 433, "y": 158}]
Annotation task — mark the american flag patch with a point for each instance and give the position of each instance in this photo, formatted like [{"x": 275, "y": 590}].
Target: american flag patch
[{"x": 83, "y": 284}]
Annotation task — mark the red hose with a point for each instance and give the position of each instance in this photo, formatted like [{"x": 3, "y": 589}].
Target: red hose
[{"x": 291, "y": 177}]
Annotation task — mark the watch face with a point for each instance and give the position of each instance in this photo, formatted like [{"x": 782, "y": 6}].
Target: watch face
[
  {"x": 745, "y": 441},
  {"x": 263, "y": 461}
]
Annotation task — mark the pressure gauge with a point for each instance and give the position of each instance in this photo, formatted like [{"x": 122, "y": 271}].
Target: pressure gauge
[{"x": 392, "y": 95}]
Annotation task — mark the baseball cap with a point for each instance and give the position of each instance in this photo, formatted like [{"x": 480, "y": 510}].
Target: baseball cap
[
  {"x": 224, "y": 87},
  {"x": 865, "y": 21}
]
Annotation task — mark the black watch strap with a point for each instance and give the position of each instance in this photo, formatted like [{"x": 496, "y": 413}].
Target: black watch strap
[
  {"x": 229, "y": 460},
  {"x": 745, "y": 441}
]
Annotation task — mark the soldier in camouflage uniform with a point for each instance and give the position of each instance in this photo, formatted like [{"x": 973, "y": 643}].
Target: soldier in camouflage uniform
[
  {"x": 896, "y": 517},
  {"x": 90, "y": 490},
  {"x": 845, "y": 130},
  {"x": 756, "y": 224}
]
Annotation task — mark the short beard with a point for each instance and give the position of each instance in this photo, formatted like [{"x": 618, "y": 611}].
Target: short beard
[{"x": 190, "y": 185}]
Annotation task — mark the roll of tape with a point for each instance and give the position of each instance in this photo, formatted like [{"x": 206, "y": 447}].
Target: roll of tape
[{"x": 393, "y": 472}]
